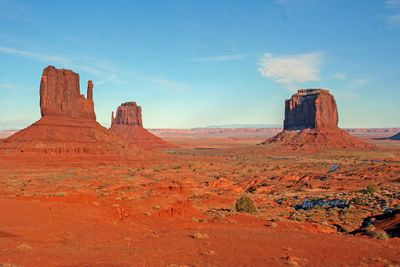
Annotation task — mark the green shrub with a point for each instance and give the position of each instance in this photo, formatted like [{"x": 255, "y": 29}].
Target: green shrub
[
  {"x": 358, "y": 200},
  {"x": 380, "y": 234},
  {"x": 245, "y": 204},
  {"x": 371, "y": 189}
]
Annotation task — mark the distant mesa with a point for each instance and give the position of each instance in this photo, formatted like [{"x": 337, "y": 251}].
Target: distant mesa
[
  {"x": 128, "y": 123},
  {"x": 68, "y": 127},
  {"x": 311, "y": 120}
]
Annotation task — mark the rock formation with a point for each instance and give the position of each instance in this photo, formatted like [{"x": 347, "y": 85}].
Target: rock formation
[
  {"x": 311, "y": 121},
  {"x": 311, "y": 108},
  {"x": 128, "y": 123},
  {"x": 388, "y": 222},
  {"x": 128, "y": 113},
  {"x": 68, "y": 128},
  {"x": 60, "y": 95}
]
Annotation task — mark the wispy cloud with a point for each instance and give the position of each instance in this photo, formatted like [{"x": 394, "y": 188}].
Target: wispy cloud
[
  {"x": 101, "y": 69},
  {"x": 220, "y": 58},
  {"x": 112, "y": 78},
  {"x": 14, "y": 124},
  {"x": 344, "y": 94},
  {"x": 291, "y": 69},
  {"x": 392, "y": 18},
  {"x": 50, "y": 59},
  {"x": 7, "y": 86},
  {"x": 168, "y": 84},
  {"x": 14, "y": 10},
  {"x": 341, "y": 76},
  {"x": 357, "y": 83}
]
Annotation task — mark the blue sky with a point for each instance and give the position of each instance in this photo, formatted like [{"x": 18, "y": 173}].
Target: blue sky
[{"x": 199, "y": 63}]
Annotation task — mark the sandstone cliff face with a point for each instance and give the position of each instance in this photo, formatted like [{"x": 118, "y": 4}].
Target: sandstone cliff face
[
  {"x": 68, "y": 133},
  {"x": 311, "y": 122},
  {"x": 129, "y": 113},
  {"x": 311, "y": 109},
  {"x": 128, "y": 123},
  {"x": 60, "y": 95}
]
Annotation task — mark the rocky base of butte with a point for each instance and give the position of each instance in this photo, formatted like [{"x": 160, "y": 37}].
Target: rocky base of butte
[
  {"x": 311, "y": 122},
  {"x": 128, "y": 123},
  {"x": 68, "y": 130}
]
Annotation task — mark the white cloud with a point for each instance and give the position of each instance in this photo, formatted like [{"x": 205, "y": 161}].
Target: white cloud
[
  {"x": 344, "y": 94},
  {"x": 109, "y": 79},
  {"x": 291, "y": 69},
  {"x": 167, "y": 84},
  {"x": 341, "y": 76},
  {"x": 103, "y": 68},
  {"x": 393, "y": 19},
  {"x": 220, "y": 58},
  {"x": 7, "y": 86},
  {"x": 358, "y": 82},
  {"x": 50, "y": 59},
  {"x": 11, "y": 9},
  {"x": 41, "y": 57}
]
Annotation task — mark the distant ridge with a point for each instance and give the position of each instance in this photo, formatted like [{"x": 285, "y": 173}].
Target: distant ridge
[{"x": 242, "y": 126}]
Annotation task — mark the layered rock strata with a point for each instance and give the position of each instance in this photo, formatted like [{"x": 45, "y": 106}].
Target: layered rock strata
[
  {"x": 128, "y": 123},
  {"x": 311, "y": 121},
  {"x": 68, "y": 130}
]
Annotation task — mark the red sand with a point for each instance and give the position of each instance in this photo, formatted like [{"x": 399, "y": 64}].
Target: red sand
[{"x": 180, "y": 209}]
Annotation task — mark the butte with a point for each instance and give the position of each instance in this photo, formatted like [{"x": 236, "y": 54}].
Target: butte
[
  {"x": 67, "y": 132},
  {"x": 311, "y": 122},
  {"x": 128, "y": 123}
]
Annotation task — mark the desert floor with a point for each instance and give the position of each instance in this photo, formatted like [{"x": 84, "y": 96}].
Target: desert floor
[{"x": 180, "y": 210}]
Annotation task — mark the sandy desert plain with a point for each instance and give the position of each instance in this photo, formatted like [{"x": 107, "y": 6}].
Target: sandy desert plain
[{"x": 70, "y": 197}]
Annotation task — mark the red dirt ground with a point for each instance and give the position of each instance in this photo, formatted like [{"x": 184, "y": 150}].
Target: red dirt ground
[{"x": 178, "y": 209}]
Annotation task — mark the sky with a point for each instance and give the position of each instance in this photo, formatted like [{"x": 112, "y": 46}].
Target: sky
[{"x": 198, "y": 63}]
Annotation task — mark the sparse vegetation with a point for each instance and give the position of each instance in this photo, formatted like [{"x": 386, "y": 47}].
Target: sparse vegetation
[
  {"x": 199, "y": 235},
  {"x": 245, "y": 204},
  {"x": 371, "y": 189},
  {"x": 380, "y": 234}
]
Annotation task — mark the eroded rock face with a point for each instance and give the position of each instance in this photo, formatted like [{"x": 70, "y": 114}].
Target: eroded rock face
[
  {"x": 68, "y": 133},
  {"x": 129, "y": 113},
  {"x": 128, "y": 123},
  {"x": 311, "y": 123},
  {"x": 60, "y": 95},
  {"x": 311, "y": 109}
]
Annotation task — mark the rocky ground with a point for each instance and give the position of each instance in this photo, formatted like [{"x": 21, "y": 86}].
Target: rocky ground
[{"x": 180, "y": 210}]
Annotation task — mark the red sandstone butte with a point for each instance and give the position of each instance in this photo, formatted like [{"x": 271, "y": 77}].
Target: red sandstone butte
[
  {"x": 311, "y": 121},
  {"x": 60, "y": 95},
  {"x": 311, "y": 108},
  {"x": 128, "y": 123},
  {"x": 68, "y": 128}
]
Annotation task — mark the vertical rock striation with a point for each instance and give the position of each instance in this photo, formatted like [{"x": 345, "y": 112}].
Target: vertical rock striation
[
  {"x": 60, "y": 95},
  {"x": 311, "y": 122},
  {"x": 129, "y": 113},
  {"x": 68, "y": 131},
  {"x": 310, "y": 108},
  {"x": 128, "y": 123}
]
